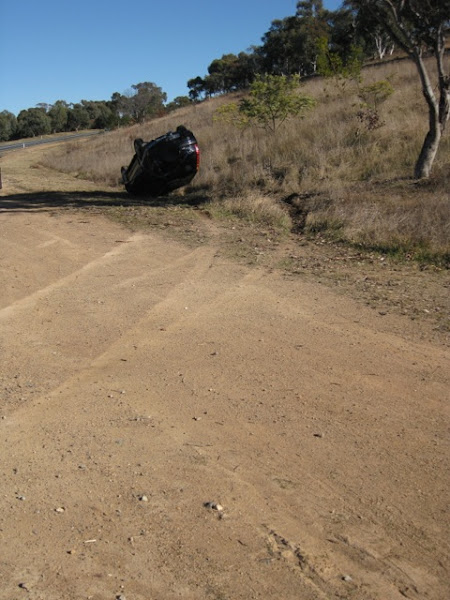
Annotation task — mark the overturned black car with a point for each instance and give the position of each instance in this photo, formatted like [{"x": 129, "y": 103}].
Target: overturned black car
[{"x": 163, "y": 164}]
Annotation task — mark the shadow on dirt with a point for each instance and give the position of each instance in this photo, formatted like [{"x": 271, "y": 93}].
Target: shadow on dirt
[{"x": 43, "y": 201}]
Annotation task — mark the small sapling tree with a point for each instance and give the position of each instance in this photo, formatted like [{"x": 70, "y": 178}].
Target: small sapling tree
[{"x": 272, "y": 100}]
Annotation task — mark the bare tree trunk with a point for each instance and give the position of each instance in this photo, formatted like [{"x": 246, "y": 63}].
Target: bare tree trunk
[
  {"x": 422, "y": 169},
  {"x": 438, "y": 115},
  {"x": 444, "y": 80}
]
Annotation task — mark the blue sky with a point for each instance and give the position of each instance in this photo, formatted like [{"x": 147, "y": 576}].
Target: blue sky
[{"x": 88, "y": 49}]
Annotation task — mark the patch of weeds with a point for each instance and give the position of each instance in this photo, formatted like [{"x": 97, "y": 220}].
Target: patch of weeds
[
  {"x": 329, "y": 226},
  {"x": 427, "y": 257},
  {"x": 405, "y": 252},
  {"x": 254, "y": 209}
]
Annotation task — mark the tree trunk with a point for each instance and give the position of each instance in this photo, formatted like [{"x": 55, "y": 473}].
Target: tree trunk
[
  {"x": 431, "y": 143},
  {"x": 424, "y": 163},
  {"x": 392, "y": 17}
]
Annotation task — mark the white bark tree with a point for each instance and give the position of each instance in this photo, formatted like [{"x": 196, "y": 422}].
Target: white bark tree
[
  {"x": 383, "y": 43},
  {"x": 419, "y": 27}
]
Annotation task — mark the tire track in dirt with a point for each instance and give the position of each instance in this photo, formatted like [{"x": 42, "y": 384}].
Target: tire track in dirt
[
  {"x": 170, "y": 312},
  {"x": 28, "y": 302},
  {"x": 283, "y": 403},
  {"x": 53, "y": 325},
  {"x": 373, "y": 519}
]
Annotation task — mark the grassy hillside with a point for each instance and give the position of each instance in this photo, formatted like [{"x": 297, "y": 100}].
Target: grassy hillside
[{"x": 333, "y": 173}]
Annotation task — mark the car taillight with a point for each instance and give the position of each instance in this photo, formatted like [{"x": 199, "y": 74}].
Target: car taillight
[{"x": 197, "y": 154}]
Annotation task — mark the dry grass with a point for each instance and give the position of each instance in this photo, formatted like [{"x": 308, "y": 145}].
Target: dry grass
[
  {"x": 341, "y": 178},
  {"x": 254, "y": 208}
]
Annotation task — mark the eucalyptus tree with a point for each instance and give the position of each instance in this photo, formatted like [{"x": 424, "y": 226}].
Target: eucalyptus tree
[
  {"x": 281, "y": 52},
  {"x": 220, "y": 73},
  {"x": 196, "y": 87},
  {"x": 231, "y": 72},
  {"x": 420, "y": 27},
  {"x": 315, "y": 24},
  {"x": 8, "y": 125},
  {"x": 178, "y": 102},
  {"x": 245, "y": 69},
  {"x": 290, "y": 47},
  {"x": 142, "y": 101},
  {"x": 58, "y": 114},
  {"x": 33, "y": 122},
  {"x": 78, "y": 117},
  {"x": 146, "y": 101},
  {"x": 371, "y": 34}
]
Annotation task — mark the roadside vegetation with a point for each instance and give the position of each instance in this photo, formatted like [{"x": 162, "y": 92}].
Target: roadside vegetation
[{"x": 340, "y": 170}]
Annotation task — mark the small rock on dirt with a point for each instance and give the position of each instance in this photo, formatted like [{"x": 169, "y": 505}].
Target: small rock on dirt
[{"x": 213, "y": 506}]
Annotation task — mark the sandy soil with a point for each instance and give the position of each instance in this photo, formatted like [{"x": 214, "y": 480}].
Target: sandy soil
[{"x": 176, "y": 424}]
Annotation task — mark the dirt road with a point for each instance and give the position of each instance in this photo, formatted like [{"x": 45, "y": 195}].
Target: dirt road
[{"x": 177, "y": 425}]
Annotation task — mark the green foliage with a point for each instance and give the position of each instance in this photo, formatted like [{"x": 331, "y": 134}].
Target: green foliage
[
  {"x": 196, "y": 87},
  {"x": 178, "y": 102},
  {"x": 230, "y": 114},
  {"x": 220, "y": 74},
  {"x": 105, "y": 118},
  {"x": 143, "y": 101},
  {"x": 226, "y": 74},
  {"x": 272, "y": 100},
  {"x": 33, "y": 122},
  {"x": 412, "y": 24},
  {"x": 58, "y": 114},
  {"x": 290, "y": 45},
  {"x": 372, "y": 96},
  {"x": 333, "y": 64},
  {"x": 8, "y": 125},
  {"x": 146, "y": 101},
  {"x": 78, "y": 118},
  {"x": 376, "y": 93}
]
